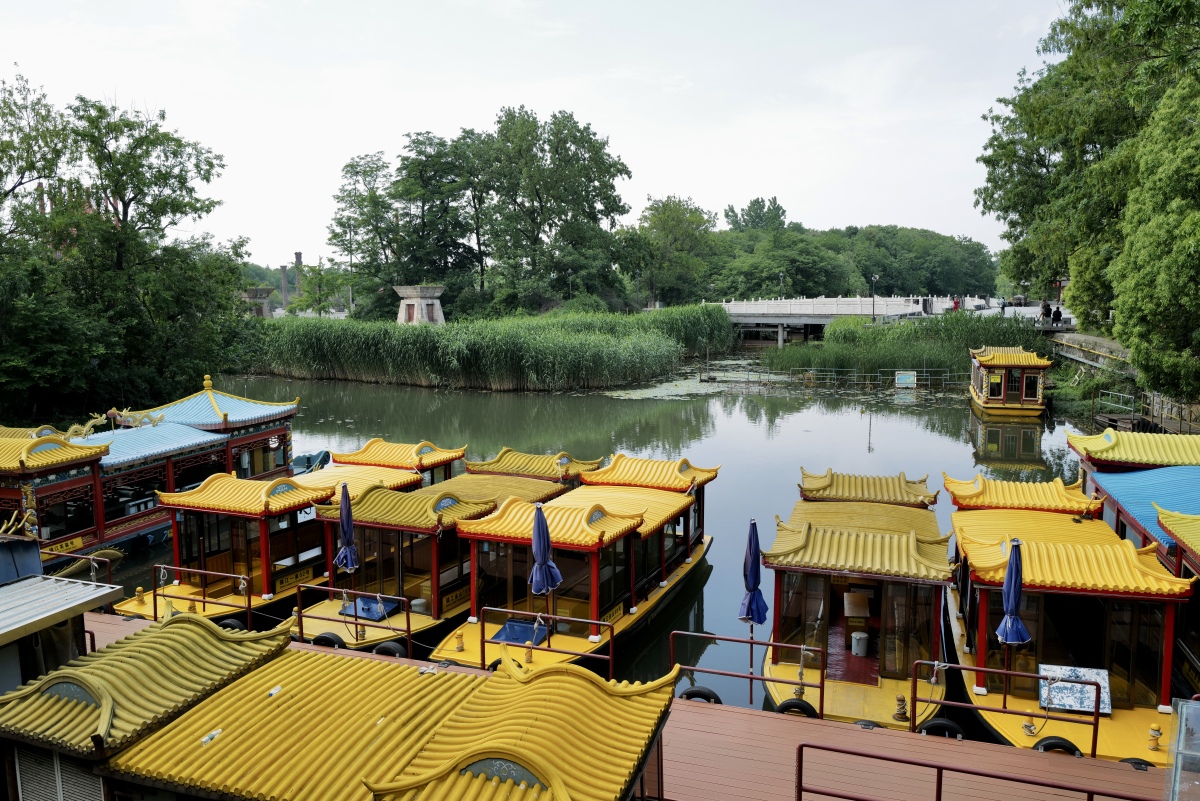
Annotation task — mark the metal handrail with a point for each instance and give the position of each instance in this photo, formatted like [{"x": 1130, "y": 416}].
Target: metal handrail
[
  {"x": 1108, "y": 791},
  {"x": 158, "y": 570},
  {"x": 1004, "y": 710},
  {"x": 484, "y": 640},
  {"x": 358, "y": 623},
  {"x": 751, "y": 677},
  {"x": 93, "y": 560}
]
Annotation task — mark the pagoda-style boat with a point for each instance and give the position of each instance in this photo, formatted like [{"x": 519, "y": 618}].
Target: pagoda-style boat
[
  {"x": 229, "y": 528},
  {"x": 1096, "y": 607},
  {"x": 548, "y": 467},
  {"x": 429, "y": 460},
  {"x": 400, "y": 538},
  {"x": 358, "y": 478},
  {"x": 625, "y": 544},
  {"x": 1184, "y": 532},
  {"x": 863, "y": 582},
  {"x": 1117, "y": 451},
  {"x": 1044, "y": 496},
  {"x": 1132, "y": 500},
  {"x": 1008, "y": 381},
  {"x": 898, "y": 490}
]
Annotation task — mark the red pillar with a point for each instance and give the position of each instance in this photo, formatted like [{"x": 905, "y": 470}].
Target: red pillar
[
  {"x": 98, "y": 502},
  {"x": 474, "y": 582},
  {"x": 1164, "y": 690},
  {"x": 329, "y": 566},
  {"x": 175, "y": 536},
  {"x": 170, "y": 484},
  {"x": 435, "y": 578},
  {"x": 595, "y": 599},
  {"x": 631, "y": 542},
  {"x": 939, "y": 602},
  {"x": 775, "y": 619},
  {"x": 264, "y": 558},
  {"x": 981, "y": 638}
]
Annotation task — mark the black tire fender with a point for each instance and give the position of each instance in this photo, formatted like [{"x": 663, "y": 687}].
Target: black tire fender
[
  {"x": 1138, "y": 763},
  {"x": 328, "y": 639},
  {"x": 797, "y": 706},
  {"x": 941, "y": 727},
  {"x": 391, "y": 648},
  {"x": 232, "y": 624},
  {"x": 1057, "y": 744},
  {"x": 700, "y": 694}
]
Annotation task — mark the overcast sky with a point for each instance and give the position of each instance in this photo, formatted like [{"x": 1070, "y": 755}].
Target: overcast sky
[{"x": 851, "y": 113}]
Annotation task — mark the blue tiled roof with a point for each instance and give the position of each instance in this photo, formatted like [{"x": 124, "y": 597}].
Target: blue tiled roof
[
  {"x": 126, "y": 445},
  {"x": 1174, "y": 488},
  {"x": 210, "y": 408}
]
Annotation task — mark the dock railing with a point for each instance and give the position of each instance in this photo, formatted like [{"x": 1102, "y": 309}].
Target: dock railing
[
  {"x": 95, "y": 561},
  {"x": 358, "y": 632},
  {"x": 160, "y": 575},
  {"x": 1093, "y": 721},
  {"x": 542, "y": 617},
  {"x": 940, "y": 770},
  {"x": 751, "y": 676}
]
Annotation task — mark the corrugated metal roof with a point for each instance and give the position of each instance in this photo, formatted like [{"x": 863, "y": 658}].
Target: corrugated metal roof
[
  {"x": 1044, "y": 496},
  {"x": 408, "y": 510},
  {"x": 382, "y": 453},
  {"x": 1183, "y": 528},
  {"x": 127, "y": 445},
  {"x": 552, "y": 467},
  {"x": 580, "y": 736},
  {"x": 357, "y": 478},
  {"x": 583, "y": 527},
  {"x": 903, "y": 555},
  {"x": 102, "y": 701},
  {"x": 1009, "y": 357},
  {"x": 1128, "y": 447},
  {"x": 898, "y": 490},
  {"x": 37, "y": 602},
  {"x": 655, "y": 507},
  {"x": 210, "y": 408},
  {"x": 1058, "y": 553},
  {"x": 626, "y": 471},
  {"x": 478, "y": 487},
  {"x": 225, "y": 492},
  {"x": 17, "y": 455},
  {"x": 1174, "y": 488}
]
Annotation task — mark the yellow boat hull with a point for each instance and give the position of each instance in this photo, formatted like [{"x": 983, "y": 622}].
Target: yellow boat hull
[{"x": 994, "y": 409}]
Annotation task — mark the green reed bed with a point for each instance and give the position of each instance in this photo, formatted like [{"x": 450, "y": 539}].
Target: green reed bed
[
  {"x": 552, "y": 352},
  {"x": 936, "y": 343}
]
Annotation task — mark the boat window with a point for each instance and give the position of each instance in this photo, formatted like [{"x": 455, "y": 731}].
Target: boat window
[
  {"x": 1021, "y": 658},
  {"x": 1031, "y": 386},
  {"x": 503, "y": 575},
  {"x": 614, "y": 578},
  {"x": 906, "y": 630},
  {"x": 1135, "y": 635},
  {"x": 803, "y": 614},
  {"x": 996, "y": 384},
  {"x": 131, "y": 493},
  {"x": 1030, "y": 446},
  {"x": 573, "y": 598},
  {"x": 66, "y": 513},
  {"x": 1014, "y": 382},
  {"x": 647, "y": 562}
]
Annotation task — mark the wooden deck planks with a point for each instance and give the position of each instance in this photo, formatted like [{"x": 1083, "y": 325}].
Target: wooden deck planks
[
  {"x": 110, "y": 628},
  {"x": 721, "y": 752}
]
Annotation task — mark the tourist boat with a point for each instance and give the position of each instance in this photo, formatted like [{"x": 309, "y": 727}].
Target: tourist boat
[
  {"x": 1183, "y": 529},
  {"x": 1008, "y": 381},
  {"x": 1096, "y": 608},
  {"x": 864, "y": 583},
  {"x": 982, "y": 492},
  {"x": 400, "y": 537},
  {"x": 625, "y": 543},
  {"x": 1007, "y": 443},
  {"x": 1116, "y": 451},
  {"x": 897, "y": 490},
  {"x": 549, "y": 467},
  {"x": 432, "y": 462}
]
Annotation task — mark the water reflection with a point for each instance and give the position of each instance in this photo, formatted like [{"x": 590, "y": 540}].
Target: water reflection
[{"x": 760, "y": 438}]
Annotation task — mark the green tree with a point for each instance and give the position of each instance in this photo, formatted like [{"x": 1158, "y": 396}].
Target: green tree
[
  {"x": 679, "y": 234},
  {"x": 320, "y": 285}
]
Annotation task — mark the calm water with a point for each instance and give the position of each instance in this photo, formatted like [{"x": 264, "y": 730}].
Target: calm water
[{"x": 759, "y": 436}]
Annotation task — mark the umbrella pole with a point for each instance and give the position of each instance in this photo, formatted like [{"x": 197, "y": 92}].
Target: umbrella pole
[
  {"x": 1007, "y": 665},
  {"x": 752, "y": 662}
]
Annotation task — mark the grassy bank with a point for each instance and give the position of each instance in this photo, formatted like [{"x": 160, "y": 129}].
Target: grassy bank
[
  {"x": 1073, "y": 390},
  {"x": 936, "y": 343},
  {"x": 551, "y": 352}
]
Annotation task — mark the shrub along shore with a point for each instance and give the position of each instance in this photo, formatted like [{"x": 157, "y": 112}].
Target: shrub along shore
[{"x": 552, "y": 352}]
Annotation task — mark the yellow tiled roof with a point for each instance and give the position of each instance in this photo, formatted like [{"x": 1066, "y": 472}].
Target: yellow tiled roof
[
  {"x": 1058, "y": 553},
  {"x": 483, "y": 487},
  {"x": 884, "y": 553},
  {"x": 358, "y": 478},
  {"x": 899, "y": 490},
  {"x": 533, "y": 465},
  {"x": 37, "y": 454},
  {"x": 1046, "y": 496},
  {"x": 371, "y": 718},
  {"x": 1184, "y": 528},
  {"x": 626, "y": 471},
  {"x": 656, "y": 507},
  {"x": 380, "y": 453},
  {"x": 101, "y": 702},
  {"x": 1128, "y": 447},
  {"x": 7, "y": 432},
  {"x": 409, "y": 510},
  {"x": 225, "y": 492},
  {"x": 859, "y": 516},
  {"x": 582, "y": 527},
  {"x": 1009, "y": 357},
  {"x": 581, "y": 737}
]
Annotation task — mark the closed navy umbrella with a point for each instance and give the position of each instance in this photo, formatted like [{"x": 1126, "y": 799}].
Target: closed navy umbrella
[
  {"x": 1012, "y": 631},
  {"x": 754, "y": 607},
  {"x": 544, "y": 576},
  {"x": 347, "y": 555}
]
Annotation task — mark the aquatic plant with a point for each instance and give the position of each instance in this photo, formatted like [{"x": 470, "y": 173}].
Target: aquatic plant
[{"x": 552, "y": 352}]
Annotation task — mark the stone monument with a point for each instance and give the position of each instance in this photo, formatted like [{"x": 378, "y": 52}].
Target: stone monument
[{"x": 420, "y": 304}]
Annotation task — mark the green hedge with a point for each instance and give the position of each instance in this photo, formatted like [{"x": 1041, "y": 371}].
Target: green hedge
[{"x": 552, "y": 352}]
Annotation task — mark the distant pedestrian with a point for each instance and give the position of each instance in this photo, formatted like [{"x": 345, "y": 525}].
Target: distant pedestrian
[
  {"x": 1045, "y": 311},
  {"x": 1002, "y": 305},
  {"x": 1057, "y": 316},
  {"x": 955, "y": 306}
]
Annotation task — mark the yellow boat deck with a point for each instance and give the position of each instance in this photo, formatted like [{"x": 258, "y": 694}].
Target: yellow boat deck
[
  {"x": 578, "y": 645},
  {"x": 370, "y": 633},
  {"x": 183, "y": 597},
  {"x": 850, "y": 702},
  {"x": 1122, "y": 734}
]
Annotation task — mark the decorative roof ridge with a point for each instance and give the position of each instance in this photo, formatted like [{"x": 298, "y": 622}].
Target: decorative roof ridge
[
  {"x": 32, "y": 446},
  {"x": 623, "y": 689},
  {"x": 468, "y": 756},
  {"x": 211, "y": 393}
]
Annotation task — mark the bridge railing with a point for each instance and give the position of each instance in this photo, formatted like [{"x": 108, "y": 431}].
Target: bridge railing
[{"x": 799, "y": 377}]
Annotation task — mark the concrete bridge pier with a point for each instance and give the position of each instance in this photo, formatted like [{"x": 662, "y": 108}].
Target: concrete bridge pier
[{"x": 782, "y": 334}]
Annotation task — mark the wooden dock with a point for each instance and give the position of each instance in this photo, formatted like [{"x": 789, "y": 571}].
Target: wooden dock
[{"x": 720, "y": 753}]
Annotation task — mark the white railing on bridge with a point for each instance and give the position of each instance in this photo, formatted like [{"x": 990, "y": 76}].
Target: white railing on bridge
[{"x": 855, "y": 306}]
